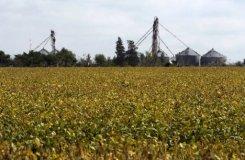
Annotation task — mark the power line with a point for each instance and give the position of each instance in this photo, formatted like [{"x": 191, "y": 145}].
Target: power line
[
  {"x": 143, "y": 37},
  {"x": 42, "y": 43},
  {"x": 46, "y": 43},
  {"x": 166, "y": 46},
  {"x": 174, "y": 35},
  {"x": 151, "y": 30}
]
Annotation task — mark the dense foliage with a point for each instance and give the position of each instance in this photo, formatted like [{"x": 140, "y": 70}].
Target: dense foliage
[
  {"x": 63, "y": 58},
  {"x": 100, "y": 60},
  {"x": 120, "y": 53},
  {"x": 132, "y": 57},
  {"x": 4, "y": 59},
  {"x": 122, "y": 113},
  {"x": 66, "y": 58}
]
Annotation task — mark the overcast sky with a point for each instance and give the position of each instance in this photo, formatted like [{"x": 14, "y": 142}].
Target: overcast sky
[{"x": 92, "y": 26}]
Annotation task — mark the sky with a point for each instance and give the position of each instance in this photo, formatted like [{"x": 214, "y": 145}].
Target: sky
[{"x": 93, "y": 26}]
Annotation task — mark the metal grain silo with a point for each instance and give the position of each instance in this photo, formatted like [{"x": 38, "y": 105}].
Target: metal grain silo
[
  {"x": 188, "y": 57},
  {"x": 213, "y": 58},
  {"x": 44, "y": 51}
]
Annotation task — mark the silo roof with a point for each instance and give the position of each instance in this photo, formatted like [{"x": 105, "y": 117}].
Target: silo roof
[
  {"x": 189, "y": 52},
  {"x": 213, "y": 53},
  {"x": 44, "y": 51},
  {"x": 162, "y": 52}
]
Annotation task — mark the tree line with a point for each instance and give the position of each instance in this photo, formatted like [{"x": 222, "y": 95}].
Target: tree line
[{"x": 66, "y": 58}]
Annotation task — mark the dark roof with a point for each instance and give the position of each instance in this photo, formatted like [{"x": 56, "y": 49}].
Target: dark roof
[
  {"x": 213, "y": 53},
  {"x": 189, "y": 52}
]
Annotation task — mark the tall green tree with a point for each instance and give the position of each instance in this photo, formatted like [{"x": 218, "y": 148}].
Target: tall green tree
[
  {"x": 4, "y": 59},
  {"x": 65, "y": 58},
  {"x": 88, "y": 61},
  {"x": 132, "y": 55},
  {"x": 100, "y": 60},
  {"x": 120, "y": 53}
]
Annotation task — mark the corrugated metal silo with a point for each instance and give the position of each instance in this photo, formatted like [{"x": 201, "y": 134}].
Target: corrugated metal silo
[
  {"x": 213, "y": 58},
  {"x": 188, "y": 57}
]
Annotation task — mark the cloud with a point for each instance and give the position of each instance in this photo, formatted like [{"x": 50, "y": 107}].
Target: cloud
[{"x": 92, "y": 26}]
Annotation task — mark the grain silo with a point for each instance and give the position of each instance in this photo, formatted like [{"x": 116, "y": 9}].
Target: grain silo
[
  {"x": 44, "y": 51},
  {"x": 188, "y": 57},
  {"x": 213, "y": 58}
]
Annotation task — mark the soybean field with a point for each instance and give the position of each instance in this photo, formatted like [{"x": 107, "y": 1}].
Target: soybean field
[{"x": 122, "y": 113}]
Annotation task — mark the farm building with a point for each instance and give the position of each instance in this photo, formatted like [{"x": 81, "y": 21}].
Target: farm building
[
  {"x": 213, "y": 58},
  {"x": 188, "y": 57}
]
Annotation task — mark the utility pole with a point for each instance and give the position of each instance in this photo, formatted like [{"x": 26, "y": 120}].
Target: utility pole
[
  {"x": 155, "y": 37},
  {"x": 30, "y": 44}
]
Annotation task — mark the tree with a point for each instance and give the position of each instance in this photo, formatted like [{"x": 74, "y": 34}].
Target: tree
[
  {"x": 85, "y": 61},
  {"x": 149, "y": 59},
  {"x": 132, "y": 55},
  {"x": 31, "y": 59},
  {"x": 239, "y": 63},
  {"x": 35, "y": 59},
  {"x": 100, "y": 60},
  {"x": 20, "y": 60},
  {"x": 81, "y": 63},
  {"x": 120, "y": 53},
  {"x": 110, "y": 62},
  {"x": 4, "y": 59},
  {"x": 88, "y": 61},
  {"x": 50, "y": 60},
  {"x": 142, "y": 58},
  {"x": 164, "y": 59},
  {"x": 65, "y": 58}
]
